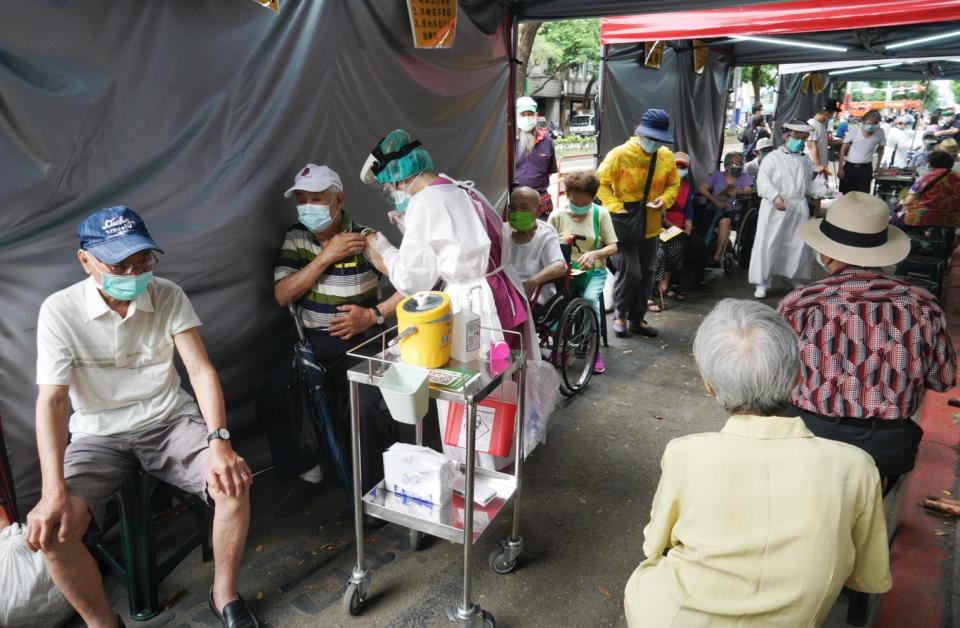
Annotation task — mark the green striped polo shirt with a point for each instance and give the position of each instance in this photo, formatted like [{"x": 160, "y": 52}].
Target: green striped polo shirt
[{"x": 351, "y": 281}]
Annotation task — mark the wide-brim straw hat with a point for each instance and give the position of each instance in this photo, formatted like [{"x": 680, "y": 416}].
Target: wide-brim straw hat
[{"x": 857, "y": 231}]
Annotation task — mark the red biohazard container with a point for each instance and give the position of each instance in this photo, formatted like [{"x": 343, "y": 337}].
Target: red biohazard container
[{"x": 495, "y": 423}]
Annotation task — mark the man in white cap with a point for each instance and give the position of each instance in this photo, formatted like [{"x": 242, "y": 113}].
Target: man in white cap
[
  {"x": 536, "y": 158},
  {"x": 752, "y": 167},
  {"x": 324, "y": 270},
  {"x": 900, "y": 139},
  {"x": 784, "y": 182},
  {"x": 871, "y": 344}
]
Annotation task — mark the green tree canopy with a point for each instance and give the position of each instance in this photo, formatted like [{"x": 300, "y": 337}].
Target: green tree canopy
[{"x": 567, "y": 44}]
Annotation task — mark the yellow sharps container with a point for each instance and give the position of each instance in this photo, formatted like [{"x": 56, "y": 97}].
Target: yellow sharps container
[{"x": 425, "y": 327}]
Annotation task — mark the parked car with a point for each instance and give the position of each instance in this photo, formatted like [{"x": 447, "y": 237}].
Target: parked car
[{"x": 583, "y": 124}]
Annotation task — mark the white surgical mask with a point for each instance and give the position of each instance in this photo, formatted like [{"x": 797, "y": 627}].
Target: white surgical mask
[
  {"x": 526, "y": 123},
  {"x": 647, "y": 145},
  {"x": 682, "y": 172}
]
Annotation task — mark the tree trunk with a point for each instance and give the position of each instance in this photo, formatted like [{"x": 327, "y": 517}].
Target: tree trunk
[
  {"x": 755, "y": 82},
  {"x": 528, "y": 33},
  {"x": 587, "y": 101}
]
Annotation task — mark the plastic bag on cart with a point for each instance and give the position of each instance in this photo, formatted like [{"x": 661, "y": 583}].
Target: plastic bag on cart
[
  {"x": 29, "y": 596},
  {"x": 542, "y": 391}
]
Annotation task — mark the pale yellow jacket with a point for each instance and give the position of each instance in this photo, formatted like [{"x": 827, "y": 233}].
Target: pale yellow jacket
[{"x": 764, "y": 523}]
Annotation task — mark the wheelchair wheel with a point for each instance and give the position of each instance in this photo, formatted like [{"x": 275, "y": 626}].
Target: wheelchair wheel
[
  {"x": 745, "y": 237},
  {"x": 576, "y": 343}
]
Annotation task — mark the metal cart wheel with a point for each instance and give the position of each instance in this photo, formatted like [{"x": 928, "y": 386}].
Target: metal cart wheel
[
  {"x": 352, "y": 602},
  {"x": 576, "y": 343},
  {"x": 416, "y": 540},
  {"x": 488, "y": 621},
  {"x": 498, "y": 564}
]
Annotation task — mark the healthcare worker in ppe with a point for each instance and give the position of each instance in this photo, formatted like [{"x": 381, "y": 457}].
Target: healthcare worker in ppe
[
  {"x": 451, "y": 233},
  {"x": 784, "y": 182}
]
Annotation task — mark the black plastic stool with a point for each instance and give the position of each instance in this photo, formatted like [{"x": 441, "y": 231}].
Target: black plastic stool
[{"x": 139, "y": 569}]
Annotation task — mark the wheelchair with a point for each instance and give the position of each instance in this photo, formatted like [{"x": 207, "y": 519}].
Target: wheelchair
[
  {"x": 743, "y": 230},
  {"x": 569, "y": 330}
]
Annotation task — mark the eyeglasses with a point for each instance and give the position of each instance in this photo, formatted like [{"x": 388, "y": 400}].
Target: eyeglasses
[{"x": 135, "y": 268}]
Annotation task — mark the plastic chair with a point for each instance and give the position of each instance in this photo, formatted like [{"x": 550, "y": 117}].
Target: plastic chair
[{"x": 138, "y": 567}]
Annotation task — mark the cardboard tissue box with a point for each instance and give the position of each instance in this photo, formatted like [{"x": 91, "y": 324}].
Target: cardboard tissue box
[{"x": 419, "y": 473}]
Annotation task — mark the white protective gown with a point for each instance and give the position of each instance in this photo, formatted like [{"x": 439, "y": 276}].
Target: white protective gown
[
  {"x": 444, "y": 239},
  {"x": 777, "y": 250}
]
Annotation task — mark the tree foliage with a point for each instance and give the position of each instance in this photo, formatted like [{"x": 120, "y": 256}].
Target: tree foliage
[
  {"x": 955, "y": 88},
  {"x": 762, "y": 76},
  {"x": 569, "y": 43}
]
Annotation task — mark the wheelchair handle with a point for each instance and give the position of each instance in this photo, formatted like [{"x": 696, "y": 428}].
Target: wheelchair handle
[{"x": 296, "y": 321}]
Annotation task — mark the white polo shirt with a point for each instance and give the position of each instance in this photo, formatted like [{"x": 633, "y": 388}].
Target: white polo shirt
[{"x": 120, "y": 371}]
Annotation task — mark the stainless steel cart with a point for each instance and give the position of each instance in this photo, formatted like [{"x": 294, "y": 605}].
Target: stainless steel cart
[{"x": 452, "y": 521}]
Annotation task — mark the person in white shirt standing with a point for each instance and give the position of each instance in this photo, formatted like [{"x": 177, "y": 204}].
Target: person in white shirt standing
[
  {"x": 105, "y": 346},
  {"x": 860, "y": 146},
  {"x": 817, "y": 146},
  {"x": 900, "y": 140}
]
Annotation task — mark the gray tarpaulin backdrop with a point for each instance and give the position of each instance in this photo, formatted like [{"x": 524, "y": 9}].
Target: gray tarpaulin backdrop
[
  {"x": 793, "y": 104},
  {"x": 197, "y": 114},
  {"x": 695, "y": 102}
]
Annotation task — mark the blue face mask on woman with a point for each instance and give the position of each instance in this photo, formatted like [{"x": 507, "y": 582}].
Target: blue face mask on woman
[
  {"x": 314, "y": 217},
  {"x": 647, "y": 145},
  {"x": 869, "y": 128},
  {"x": 125, "y": 287},
  {"x": 579, "y": 210}
]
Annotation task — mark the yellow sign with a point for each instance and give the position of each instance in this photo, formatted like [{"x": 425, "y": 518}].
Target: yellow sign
[
  {"x": 273, "y": 5},
  {"x": 700, "y": 52},
  {"x": 433, "y": 22},
  {"x": 653, "y": 54}
]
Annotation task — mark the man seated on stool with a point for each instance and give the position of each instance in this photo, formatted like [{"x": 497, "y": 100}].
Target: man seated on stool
[
  {"x": 106, "y": 346},
  {"x": 870, "y": 344},
  {"x": 761, "y": 523},
  {"x": 531, "y": 246},
  {"x": 323, "y": 269}
]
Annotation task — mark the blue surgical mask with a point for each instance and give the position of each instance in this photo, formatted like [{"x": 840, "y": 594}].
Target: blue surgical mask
[
  {"x": 869, "y": 128},
  {"x": 822, "y": 265},
  {"x": 314, "y": 217},
  {"x": 647, "y": 145},
  {"x": 682, "y": 172},
  {"x": 579, "y": 210},
  {"x": 795, "y": 145},
  {"x": 125, "y": 287}
]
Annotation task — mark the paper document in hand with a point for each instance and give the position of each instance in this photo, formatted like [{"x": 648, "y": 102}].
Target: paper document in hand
[{"x": 669, "y": 234}]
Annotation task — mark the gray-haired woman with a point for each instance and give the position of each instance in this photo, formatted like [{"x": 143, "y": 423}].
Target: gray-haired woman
[{"x": 762, "y": 523}]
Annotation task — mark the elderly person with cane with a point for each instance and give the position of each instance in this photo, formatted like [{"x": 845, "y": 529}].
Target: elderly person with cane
[{"x": 737, "y": 533}]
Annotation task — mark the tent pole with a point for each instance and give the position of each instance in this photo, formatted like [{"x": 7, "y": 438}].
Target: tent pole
[
  {"x": 598, "y": 117},
  {"x": 510, "y": 18}
]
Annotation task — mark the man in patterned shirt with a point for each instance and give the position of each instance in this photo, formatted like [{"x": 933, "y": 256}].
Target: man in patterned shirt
[
  {"x": 325, "y": 272},
  {"x": 871, "y": 343}
]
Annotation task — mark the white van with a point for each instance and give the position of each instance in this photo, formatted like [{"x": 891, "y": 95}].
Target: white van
[{"x": 583, "y": 124}]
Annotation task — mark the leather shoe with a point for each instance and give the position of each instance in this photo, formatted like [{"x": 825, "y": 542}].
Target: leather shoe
[
  {"x": 235, "y": 614},
  {"x": 644, "y": 330}
]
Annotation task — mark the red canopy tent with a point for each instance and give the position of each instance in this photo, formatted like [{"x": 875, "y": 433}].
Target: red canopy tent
[{"x": 805, "y": 16}]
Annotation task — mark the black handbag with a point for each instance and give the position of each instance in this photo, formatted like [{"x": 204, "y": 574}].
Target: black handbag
[{"x": 631, "y": 224}]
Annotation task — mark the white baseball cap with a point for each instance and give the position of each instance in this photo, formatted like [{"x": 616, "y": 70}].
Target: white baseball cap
[
  {"x": 314, "y": 178},
  {"x": 763, "y": 142}
]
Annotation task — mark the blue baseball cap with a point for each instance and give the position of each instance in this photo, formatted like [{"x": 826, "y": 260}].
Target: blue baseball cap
[
  {"x": 113, "y": 234},
  {"x": 655, "y": 124}
]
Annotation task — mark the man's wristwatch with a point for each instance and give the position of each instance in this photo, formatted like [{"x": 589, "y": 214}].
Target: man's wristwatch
[
  {"x": 376, "y": 313},
  {"x": 218, "y": 434}
]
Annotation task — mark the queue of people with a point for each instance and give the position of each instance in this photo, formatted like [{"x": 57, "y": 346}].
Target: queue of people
[{"x": 807, "y": 385}]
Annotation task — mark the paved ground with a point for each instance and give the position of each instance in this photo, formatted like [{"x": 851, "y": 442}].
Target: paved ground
[{"x": 587, "y": 497}]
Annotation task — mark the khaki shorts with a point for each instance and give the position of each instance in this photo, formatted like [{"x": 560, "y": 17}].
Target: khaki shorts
[{"x": 95, "y": 467}]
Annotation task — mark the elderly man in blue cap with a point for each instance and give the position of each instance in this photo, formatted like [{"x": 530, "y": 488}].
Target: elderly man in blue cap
[
  {"x": 638, "y": 181},
  {"x": 105, "y": 346}
]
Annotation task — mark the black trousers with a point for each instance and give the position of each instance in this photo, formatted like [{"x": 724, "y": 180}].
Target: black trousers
[
  {"x": 636, "y": 264},
  {"x": 856, "y": 177},
  {"x": 377, "y": 428},
  {"x": 892, "y": 444}
]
